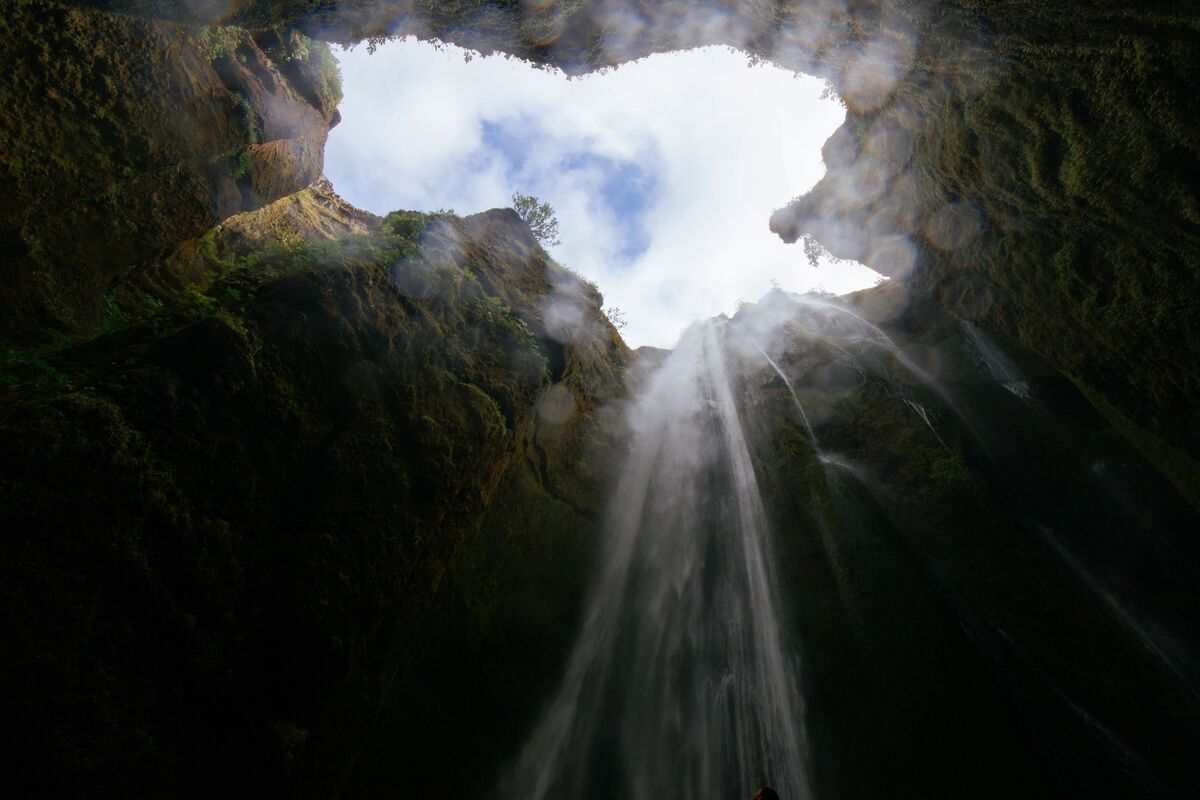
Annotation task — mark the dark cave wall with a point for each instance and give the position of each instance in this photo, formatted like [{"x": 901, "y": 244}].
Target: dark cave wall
[
  {"x": 950, "y": 646},
  {"x": 273, "y": 468},
  {"x": 227, "y": 524}
]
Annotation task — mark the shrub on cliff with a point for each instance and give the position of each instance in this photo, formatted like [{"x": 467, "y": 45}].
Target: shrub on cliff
[
  {"x": 320, "y": 66},
  {"x": 539, "y": 217},
  {"x": 217, "y": 41}
]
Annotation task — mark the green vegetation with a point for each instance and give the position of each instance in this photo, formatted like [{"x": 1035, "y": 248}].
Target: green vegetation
[
  {"x": 115, "y": 318},
  {"x": 215, "y": 42},
  {"x": 310, "y": 63},
  {"x": 493, "y": 311},
  {"x": 1077, "y": 167},
  {"x": 249, "y": 118},
  {"x": 405, "y": 224},
  {"x": 28, "y": 369},
  {"x": 240, "y": 164},
  {"x": 326, "y": 73}
]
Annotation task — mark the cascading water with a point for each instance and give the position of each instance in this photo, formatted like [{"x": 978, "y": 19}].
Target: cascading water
[
  {"x": 875, "y": 334},
  {"x": 923, "y": 413},
  {"x": 918, "y": 579},
  {"x": 998, "y": 365},
  {"x": 680, "y": 684},
  {"x": 812, "y": 437},
  {"x": 830, "y": 464}
]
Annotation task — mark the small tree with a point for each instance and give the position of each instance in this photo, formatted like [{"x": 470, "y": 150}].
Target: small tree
[
  {"x": 815, "y": 252},
  {"x": 616, "y": 316},
  {"x": 539, "y": 217}
]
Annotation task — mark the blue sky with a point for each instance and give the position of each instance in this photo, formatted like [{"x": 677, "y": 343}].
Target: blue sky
[
  {"x": 626, "y": 188},
  {"x": 663, "y": 173}
]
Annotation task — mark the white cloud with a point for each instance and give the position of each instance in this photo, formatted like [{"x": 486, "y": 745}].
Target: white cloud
[{"x": 723, "y": 145}]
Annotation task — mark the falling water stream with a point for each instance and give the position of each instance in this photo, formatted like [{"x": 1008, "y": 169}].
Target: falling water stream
[
  {"x": 795, "y": 399},
  {"x": 680, "y": 684}
]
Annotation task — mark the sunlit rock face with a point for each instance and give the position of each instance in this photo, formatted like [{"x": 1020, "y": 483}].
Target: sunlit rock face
[
  {"x": 227, "y": 521},
  {"x": 122, "y": 137}
]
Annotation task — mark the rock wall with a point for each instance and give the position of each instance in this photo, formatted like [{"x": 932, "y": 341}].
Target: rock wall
[
  {"x": 991, "y": 592},
  {"x": 1037, "y": 174},
  {"x": 226, "y": 523},
  {"x": 1031, "y": 165},
  {"x": 120, "y": 138}
]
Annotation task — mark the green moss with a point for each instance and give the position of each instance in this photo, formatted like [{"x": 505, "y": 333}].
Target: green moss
[
  {"x": 251, "y": 123},
  {"x": 952, "y": 483},
  {"x": 325, "y": 71},
  {"x": 117, "y": 145},
  {"x": 492, "y": 311},
  {"x": 115, "y": 318},
  {"x": 240, "y": 164},
  {"x": 20, "y": 367},
  {"x": 217, "y": 41},
  {"x": 197, "y": 303},
  {"x": 308, "y": 63}
]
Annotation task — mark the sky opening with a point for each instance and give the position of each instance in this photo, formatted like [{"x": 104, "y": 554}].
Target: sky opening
[{"x": 662, "y": 173}]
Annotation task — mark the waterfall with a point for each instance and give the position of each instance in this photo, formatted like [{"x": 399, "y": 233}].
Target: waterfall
[
  {"x": 921, "y": 579},
  {"x": 995, "y": 363},
  {"x": 1153, "y": 643},
  {"x": 812, "y": 437},
  {"x": 875, "y": 334},
  {"x": 680, "y": 684},
  {"x": 923, "y": 413}
]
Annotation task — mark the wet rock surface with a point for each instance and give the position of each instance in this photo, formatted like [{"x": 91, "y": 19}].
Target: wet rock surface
[{"x": 992, "y": 591}]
